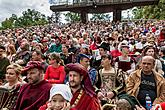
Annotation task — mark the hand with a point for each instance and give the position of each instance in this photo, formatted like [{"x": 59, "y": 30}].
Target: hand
[
  {"x": 110, "y": 94},
  {"x": 139, "y": 107},
  {"x": 100, "y": 95},
  {"x": 66, "y": 106}
]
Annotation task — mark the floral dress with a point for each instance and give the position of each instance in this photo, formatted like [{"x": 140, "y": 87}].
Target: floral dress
[{"x": 108, "y": 79}]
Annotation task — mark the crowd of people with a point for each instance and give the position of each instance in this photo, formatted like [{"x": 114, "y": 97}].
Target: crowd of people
[{"x": 94, "y": 66}]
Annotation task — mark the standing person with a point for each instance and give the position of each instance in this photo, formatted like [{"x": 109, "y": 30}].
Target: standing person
[
  {"x": 4, "y": 62},
  {"x": 84, "y": 97},
  {"x": 146, "y": 81},
  {"x": 36, "y": 92},
  {"x": 55, "y": 72}
]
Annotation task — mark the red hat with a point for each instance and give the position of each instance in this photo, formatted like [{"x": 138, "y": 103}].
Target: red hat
[
  {"x": 86, "y": 79},
  {"x": 30, "y": 65}
]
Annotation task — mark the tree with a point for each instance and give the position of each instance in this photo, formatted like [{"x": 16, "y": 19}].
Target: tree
[
  {"x": 28, "y": 18},
  {"x": 103, "y": 17},
  {"x": 72, "y": 17},
  {"x": 150, "y": 12}
]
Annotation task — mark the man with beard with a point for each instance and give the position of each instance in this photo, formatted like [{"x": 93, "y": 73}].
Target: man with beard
[
  {"x": 84, "y": 97},
  {"x": 36, "y": 92},
  {"x": 4, "y": 62}
]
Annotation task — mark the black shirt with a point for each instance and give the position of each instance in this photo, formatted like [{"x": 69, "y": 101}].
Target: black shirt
[{"x": 147, "y": 86}]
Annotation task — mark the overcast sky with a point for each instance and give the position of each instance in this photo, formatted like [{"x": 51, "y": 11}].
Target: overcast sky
[{"x": 9, "y": 7}]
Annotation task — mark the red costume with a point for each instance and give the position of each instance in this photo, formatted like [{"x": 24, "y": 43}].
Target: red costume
[
  {"x": 55, "y": 75},
  {"x": 84, "y": 98},
  {"x": 31, "y": 97},
  {"x": 86, "y": 102}
]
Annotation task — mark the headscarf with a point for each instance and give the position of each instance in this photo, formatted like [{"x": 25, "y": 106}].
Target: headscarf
[
  {"x": 61, "y": 89},
  {"x": 86, "y": 83}
]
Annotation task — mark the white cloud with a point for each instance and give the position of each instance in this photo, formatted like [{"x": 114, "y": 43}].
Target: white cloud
[{"x": 9, "y": 7}]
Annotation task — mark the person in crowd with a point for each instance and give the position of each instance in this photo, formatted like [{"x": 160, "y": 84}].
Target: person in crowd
[
  {"x": 125, "y": 62},
  {"x": 60, "y": 97},
  {"x": 10, "y": 52},
  {"x": 112, "y": 80},
  {"x": 151, "y": 51},
  {"x": 85, "y": 61},
  {"x": 38, "y": 56},
  {"x": 66, "y": 56},
  {"x": 162, "y": 57},
  {"x": 13, "y": 76},
  {"x": 36, "y": 92},
  {"x": 4, "y": 62},
  {"x": 96, "y": 60},
  {"x": 22, "y": 57},
  {"x": 84, "y": 97},
  {"x": 146, "y": 81},
  {"x": 55, "y": 73},
  {"x": 12, "y": 86},
  {"x": 56, "y": 47},
  {"x": 127, "y": 102}
]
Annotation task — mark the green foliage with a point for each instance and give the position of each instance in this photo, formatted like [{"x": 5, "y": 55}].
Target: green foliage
[
  {"x": 103, "y": 17},
  {"x": 150, "y": 12},
  {"x": 72, "y": 17},
  {"x": 28, "y": 18}
]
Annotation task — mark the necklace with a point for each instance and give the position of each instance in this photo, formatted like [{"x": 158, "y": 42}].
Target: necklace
[{"x": 77, "y": 99}]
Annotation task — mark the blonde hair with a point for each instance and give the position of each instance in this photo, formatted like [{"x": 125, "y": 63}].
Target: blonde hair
[{"x": 17, "y": 68}]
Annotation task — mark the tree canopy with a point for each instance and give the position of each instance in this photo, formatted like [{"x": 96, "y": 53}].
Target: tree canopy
[
  {"x": 28, "y": 18},
  {"x": 150, "y": 12}
]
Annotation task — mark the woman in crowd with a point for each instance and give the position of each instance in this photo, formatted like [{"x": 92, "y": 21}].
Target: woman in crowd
[
  {"x": 10, "y": 52},
  {"x": 13, "y": 76},
  {"x": 55, "y": 73},
  {"x": 14, "y": 82},
  {"x": 112, "y": 80},
  {"x": 66, "y": 56},
  {"x": 125, "y": 62}
]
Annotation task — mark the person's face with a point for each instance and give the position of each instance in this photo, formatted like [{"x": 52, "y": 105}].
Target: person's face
[
  {"x": 125, "y": 50},
  {"x": 83, "y": 50},
  {"x": 74, "y": 79},
  {"x": 1, "y": 52},
  {"x": 52, "y": 61},
  {"x": 105, "y": 62},
  {"x": 57, "y": 102},
  {"x": 85, "y": 62},
  {"x": 34, "y": 76},
  {"x": 150, "y": 52},
  {"x": 64, "y": 48},
  {"x": 57, "y": 41},
  {"x": 102, "y": 51},
  {"x": 35, "y": 57},
  {"x": 147, "y": 65},
  {"x": 22, "y": 45},
  {"x": 11, "y": 75}
]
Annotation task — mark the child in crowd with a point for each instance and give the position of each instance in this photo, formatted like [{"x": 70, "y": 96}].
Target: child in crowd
[{"x": 60, "y": 96}]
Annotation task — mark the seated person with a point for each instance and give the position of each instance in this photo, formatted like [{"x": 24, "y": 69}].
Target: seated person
[{"x": 60, "y": 96}]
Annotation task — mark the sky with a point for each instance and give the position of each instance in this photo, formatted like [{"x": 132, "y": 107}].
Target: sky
[{"x": 9, "y": 7}]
